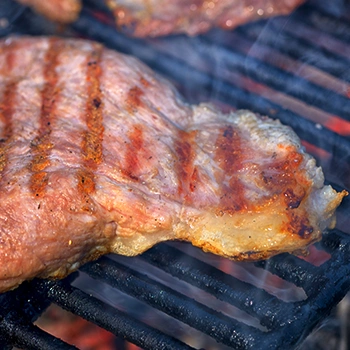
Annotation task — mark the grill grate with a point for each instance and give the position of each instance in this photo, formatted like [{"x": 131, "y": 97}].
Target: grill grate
[
  {"x": 223, "y": 68},
  {"x": 324, "y": 285}
]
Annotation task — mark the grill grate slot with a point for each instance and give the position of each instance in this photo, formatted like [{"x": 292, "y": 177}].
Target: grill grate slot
[
  {"x": 294, "y": 270},
  {"x": 280, "y": 80},
  {"x": 300, "y": 49},
  {"x": 105, "y": 316},
  {"x": 219, "y": 284},
  {"x": 16, "y": 331}
]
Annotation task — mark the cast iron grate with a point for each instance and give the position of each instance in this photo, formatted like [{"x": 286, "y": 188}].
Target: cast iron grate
[
  {"x": 325, "y": 286},
  {"x": 236, "y": 81}
]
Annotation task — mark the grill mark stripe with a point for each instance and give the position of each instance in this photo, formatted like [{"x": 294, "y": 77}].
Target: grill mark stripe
[
  {"x": 42, "y": 144},
  {"x": 10, "y": 57},
  {"x": 7, "y": 108},
  {"x": 6, "y": 112},
  {"x": 92, "y": 149},
  {"x": 186, "y": 173},
  {"x": 229, "y": 158},
  {"x": 132, "y": 153},
  {"x": 133, "y": 99}
]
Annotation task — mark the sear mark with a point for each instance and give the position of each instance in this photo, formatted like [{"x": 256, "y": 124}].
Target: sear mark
[
  {"x": 186, "y": 173},
  {"x": 134, "y": 147},
  {"x": 229, "y": 158},
  {"x": 42, "y": 144}
]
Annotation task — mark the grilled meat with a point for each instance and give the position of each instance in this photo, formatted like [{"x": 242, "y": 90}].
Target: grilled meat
[
  {"x": 99, "y": 155},
  {"x": 162, "y": 17}
]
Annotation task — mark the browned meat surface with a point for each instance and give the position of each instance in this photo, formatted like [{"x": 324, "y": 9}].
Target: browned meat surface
[
  {"x": 63, "y": 11},
  {"x": 161, "y": 17},
  {"x": 98, "y": 155}
]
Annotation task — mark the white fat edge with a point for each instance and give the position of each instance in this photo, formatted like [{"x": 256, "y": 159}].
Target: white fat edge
[{"x": 322, "y": 203}]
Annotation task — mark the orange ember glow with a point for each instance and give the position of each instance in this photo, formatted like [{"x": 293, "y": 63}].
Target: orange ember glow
[
  {"x": 340, "y": 126},
  {"x": 316, "y": 151}
]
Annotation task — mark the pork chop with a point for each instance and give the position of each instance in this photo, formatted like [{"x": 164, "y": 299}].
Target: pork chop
[{"x": 98, "y": 154}]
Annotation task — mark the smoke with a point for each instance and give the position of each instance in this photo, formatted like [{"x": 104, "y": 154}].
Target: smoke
[{"x": 9, "y": 13}]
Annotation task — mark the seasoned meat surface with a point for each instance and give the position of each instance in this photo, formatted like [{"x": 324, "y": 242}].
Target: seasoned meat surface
[
  {"x": 99, "y": 155},
  {"x": 162, "y": 17}
]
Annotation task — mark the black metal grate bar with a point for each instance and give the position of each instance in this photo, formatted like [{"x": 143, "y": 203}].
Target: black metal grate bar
[
  {"x": 301, "y": 49},
  {"x": 17, "y": 331},
  {"x": 220, "y": 327},
  {"x": 325, "y": 22},
  {"x": 320, "y": 279},
  {"x": 107, "y": 317},
  {"x": 318, "y": 283},
  {"x": 224, "y": 287},
  {"x": 332, "y": 242},
  {"x": 283, "y": 81},
  {"x": 295, "y": 270}
]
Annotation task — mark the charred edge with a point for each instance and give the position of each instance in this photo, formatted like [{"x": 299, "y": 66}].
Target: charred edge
[
  {"x": 253, "y": 256},
  {"x": 42, "y": 144},
  {"x": 305, "y": 229},
  {"x": 186, "y": 173},
  {"x": 6, "y": 107},
  {"x": 293, "y": 199},
  {"x": 132, "y": 153},
  {"x": 300, "y": 225},
  {"x": 229, "y": 158}
]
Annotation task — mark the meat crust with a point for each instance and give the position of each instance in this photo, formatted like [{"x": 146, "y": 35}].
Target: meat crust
[{"x": 99, "y": 155}]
